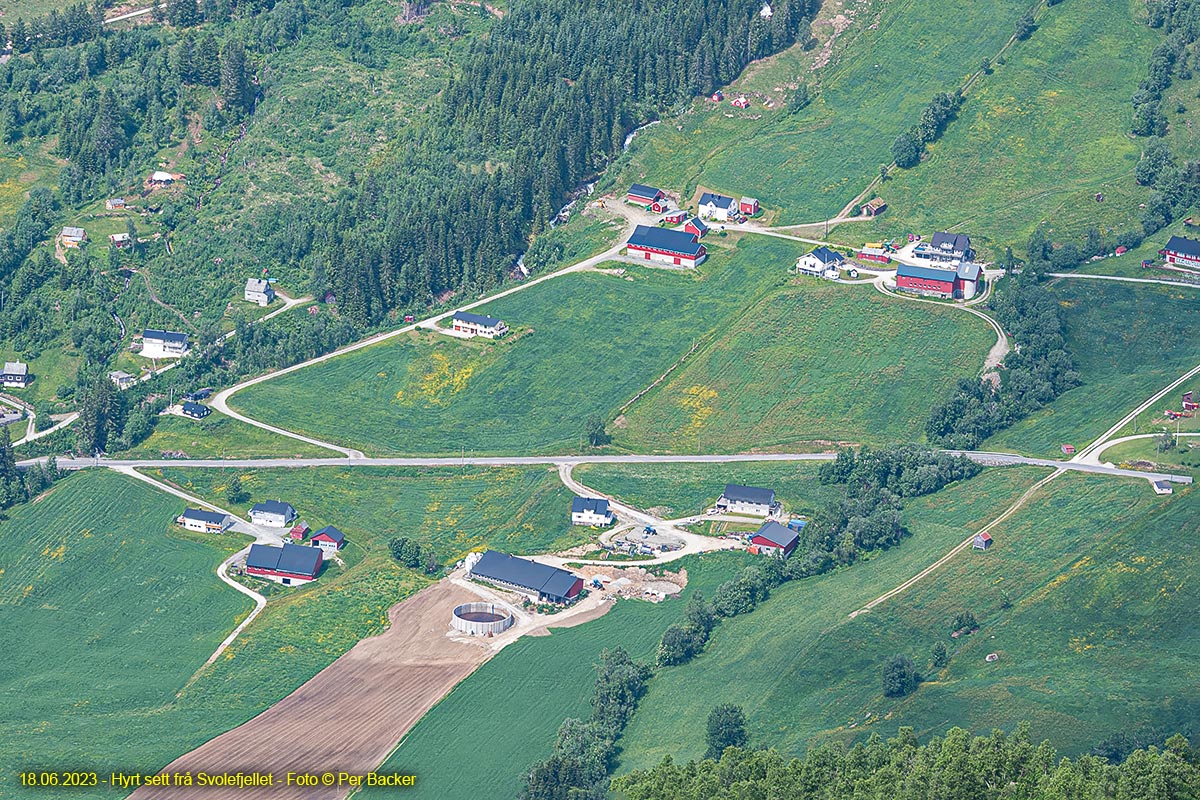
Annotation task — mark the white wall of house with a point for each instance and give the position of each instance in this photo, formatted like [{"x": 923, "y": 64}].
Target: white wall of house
[
  {"x": 590, "y": 518},
  {"x": 269, "y": 520},
  {"x": 153, "y": 348}
]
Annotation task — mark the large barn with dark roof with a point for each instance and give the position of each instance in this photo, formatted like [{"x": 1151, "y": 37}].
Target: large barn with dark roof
[
  {"x": 540, "y": 581},
  {"x": 290, "y": 564}
]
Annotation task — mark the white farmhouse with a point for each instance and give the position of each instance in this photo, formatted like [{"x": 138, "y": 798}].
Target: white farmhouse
[
  {"x": 164, "y": 344},
  {"x": 479, "y": 325},
  {"x": 273, "y": 514},
  {"x": 591, "y": 511},
  {"x": 258, "y": 290},
  {"x": 197, "y": 519},
  {"x": 718, "y": 207},
  {"x": 751, "y": 500}
]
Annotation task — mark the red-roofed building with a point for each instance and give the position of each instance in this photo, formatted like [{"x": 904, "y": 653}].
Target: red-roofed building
[
  {"x": 982, "y": 541},
  {"x": 300, "y": 531}
]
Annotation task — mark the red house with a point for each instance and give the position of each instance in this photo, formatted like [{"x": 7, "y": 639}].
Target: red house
[
  {"x": 329, "y": 539},
  {"x": 748, "y": 206},
  {"x": 1182, "y": 250},
  {"x": 644, "y": 195},
  {"x": 660, "y": 206},
  {"x": 775, "y": 539},
  {"x": 298, "y": 533},
  {"x": 665, "y": 246},
  {"x": 675, "y": 216},
  {"x": 696, "y": 227},
  {"x": 874, "y": 254},
  {"x": 740, "y": 102},
  {"x": 291, "y": 564}
]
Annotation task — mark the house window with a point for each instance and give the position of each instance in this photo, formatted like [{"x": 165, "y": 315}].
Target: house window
[{"x": 287, "y": 581}]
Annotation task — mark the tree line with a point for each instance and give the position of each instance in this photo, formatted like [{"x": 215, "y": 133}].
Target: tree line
[
  {"x": 908, "y": 147},
  {"x": 956, "y": 766}
]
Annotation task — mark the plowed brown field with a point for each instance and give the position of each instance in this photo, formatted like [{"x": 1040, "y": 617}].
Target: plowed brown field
[{"x": 346, "y": 718}]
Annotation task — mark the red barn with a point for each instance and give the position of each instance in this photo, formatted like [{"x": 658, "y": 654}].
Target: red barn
[
  {"x": 644, "y": 195},
  {"x": 291, "y": 564},
  {"x": 696, "y": 227},
  {"x": 874, "y": 254},
  {"x": 740, "y": 102},
  {"x": 665, "y": 246},
  {"x": 774, "y": 539},
  {"x": 947, "y": 281},
  {"x": 748, "y": 206},
  {"x": 675, "y": 216},
  {"x": 298, "y": 533},
  {"x": 1182, "y": 250}
]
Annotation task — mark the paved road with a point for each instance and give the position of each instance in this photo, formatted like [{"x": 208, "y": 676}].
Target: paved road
[
  {"x": 985, "y": 458},
  {"x": 1096, "y": 455}
]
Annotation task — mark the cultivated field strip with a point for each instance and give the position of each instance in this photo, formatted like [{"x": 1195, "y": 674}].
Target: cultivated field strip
[{"x": 350, "y": 715}]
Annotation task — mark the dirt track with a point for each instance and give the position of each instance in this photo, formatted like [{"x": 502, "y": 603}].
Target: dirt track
[{"x": 350, "y": 715}]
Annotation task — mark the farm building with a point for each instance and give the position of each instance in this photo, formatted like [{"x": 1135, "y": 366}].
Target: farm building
[
  {"x": 197, "y": 519},
  {"x": 748, "y": 206},
  {"x": 539, "y": 581},
  {"x": 195, "y": 410},
  {"x": 273, "y": 514},
  {"x": 642, "y": 195},
  {"x": 696, "y": 227},
  {"x": 198, "y": 395},
  {"x": 329, "y": 539},
  {"x": 164, "y": 344},
  {"x": 740, "y": 102},
  {"x": 717, "y": 96},
  {"x": 73, "y": 237},
  {"x": 775, "y": 540},
  {"x": 591, "y": 511},
  {"x": 114, "y": 204},
  {"x": 949, "y": 281},
  {"x": 1162, "y": 487},
  {"x": 738, "y": 499},
  {"x": 289, "y": 564},
  {"x": 16, "y": 375},
  {"x": 299, "y": 531},
  {"x": 819, "y": 261},
  {"x": 665, "y": 246},
  {"x": 946, "y": 247},
  {"x": 161, "y": 178},
  {"x": 123, "y": 380},
  {"x": 873, "y": 208},
  {"x": 479, "y": 325},
  {"x": 874, "y": 254},
  {"x": 258, "y": 290},
  {"x": 1182, "y": 250},
  {"x": 717, "y": 206},
  {"x": 982, "y": 541},
  {"x": 1068, "y": 449},
  {"x": 675, "y": 216},
  {"x": 121, "y": 240}
]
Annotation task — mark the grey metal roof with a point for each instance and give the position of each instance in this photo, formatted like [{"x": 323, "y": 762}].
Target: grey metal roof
[
  {"x": 258, "y": 285},
  {"x": 951, "y": 242},
  {"x": 642, "y": 190},
  {"x": 522, "y": 572},
  {"x": 273, "y": 507},
  {"x": 969, "y": 271},
  {"x": 164, "y": 336},
  {"x": 777, "y": 534},
  {"x": 927, "y": 273},
  {"x": 332, "y": 532},
  {"x": 478, "y": 319},
  {"x": 200, "y": 515},
  {"x": 679, "y": 242},
  {"x": 718, "y": 200},
  {"x": 293, "y": 558},
  {"x": 1182, "y": 244},
  {"x": 597, "y": 505},
  {"x": 749, "y": 494},
  {"x": 16, "y": 368}
]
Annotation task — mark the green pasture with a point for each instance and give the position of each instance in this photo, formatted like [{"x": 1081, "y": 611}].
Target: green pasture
[
  {"x": 808, "y": 368},
  {"x": 479, "y": 739},
  {"x": 515, "y": 509},
  {"x": 677, "y": 490},
  {"x": 1128, "y": 341},
  {"x": 809, "y": 164},
  {"x": 1084, "y": 597},
  {"x": 581, "y": 344},
  {"x": 1183, "y": 458},
  {"x": 219, "y": 436},
  {"x": 108, "y": 610}
]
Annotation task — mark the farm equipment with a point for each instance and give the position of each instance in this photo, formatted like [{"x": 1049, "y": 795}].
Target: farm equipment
[
  {"x": 649, "y": 529},
  {"x": 890, "y": 246}
]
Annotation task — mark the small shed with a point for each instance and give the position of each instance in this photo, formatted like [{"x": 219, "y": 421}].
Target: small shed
[
  {"x": 299, "y": 531},
  {"x": 874, "y": 207},
  {"x": 1162, "y": 487},
  {"x": 748, "y": 206},
  {"x": 675, "y": 216},
  {"x": 740, "y": 102},
  {"x": 1068, "y": 449},
  {"x": 982, "y": 541}
]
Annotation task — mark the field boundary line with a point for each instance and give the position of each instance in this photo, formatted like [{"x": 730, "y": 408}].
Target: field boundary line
[{"x": 958, "y": 548}]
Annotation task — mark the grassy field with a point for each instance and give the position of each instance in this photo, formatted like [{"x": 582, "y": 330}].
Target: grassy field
[
  {"x": 107, "y": 611},
  {"x": 1128, "y": 341},
  {"x": 1039, "y": 137},
  {"x": 1090, "y": 616},
  {"x": 807, "y": 165},
  {"x": 676, "y": 490},
  {"x": 1184, "y": 457},
  {"x": 517, "y": 509},
  {"x": 219, "y": 436},
  {"x": 504, "y": 717},
  {"x": 581, "y": 344},
  {"x": 819, "y": 363}
]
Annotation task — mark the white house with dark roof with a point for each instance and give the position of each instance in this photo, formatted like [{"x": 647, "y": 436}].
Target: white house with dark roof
[
  {"x": 273, "y": 514},
  {"x": 479, "y": 325},
  {"x": 258, "y": 290},
  {"x": 329, "y": 539},
  {"x": 16, "y": 375},
  {"x": 820, "y": 261},
  {"x": 751, "y": 500},
  {"x": 946, "y": 247},
  {"x": 164, "y": 344},
  {"x": 123, "y": 380},
  {"x": 591, "y": 511},
  {"x": 197, "y": 519},
  {"x": 1161, "y": 487},
  {"x": 717, "y": 206}
]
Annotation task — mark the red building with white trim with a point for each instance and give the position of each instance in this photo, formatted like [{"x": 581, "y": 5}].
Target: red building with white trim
[
  {"x": 665, "y": 246},
  {"x": 642, "y": 195},
  {"x": 291, "y": 564},
  {"x": 1182, "y": 250},
  {"x": 775, "y": 539}
]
